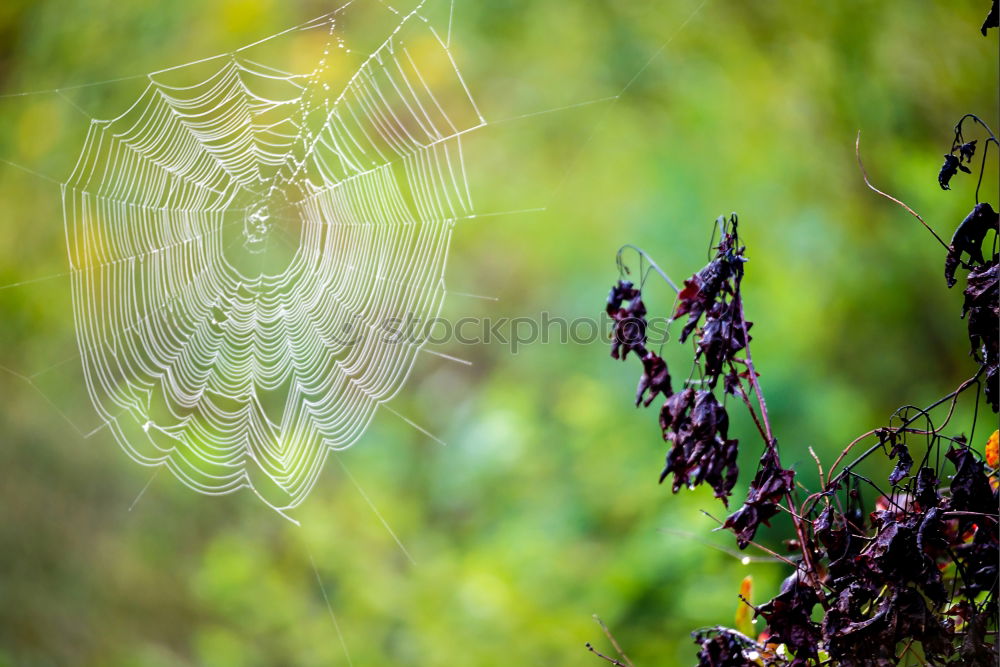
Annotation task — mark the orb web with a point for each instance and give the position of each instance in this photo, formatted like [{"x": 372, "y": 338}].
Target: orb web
[{"x": 239, "y": 237}]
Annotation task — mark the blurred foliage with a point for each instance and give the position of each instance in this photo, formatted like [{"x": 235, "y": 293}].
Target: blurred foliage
[{"x": 543, "y": 509}]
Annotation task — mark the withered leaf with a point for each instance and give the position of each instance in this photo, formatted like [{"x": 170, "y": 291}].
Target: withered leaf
[
  {"x": 722, "y": 647},
  {"x": 623, "y": 290},
  {"x": 629, "y": 331},
  {"x": 970, "y": 488},
  {"x": 992, "y": 19},
  {"x": 655, "y": 379},
  {"x": 903, "y": 464},
  {"x": 697, "y": 426},
  {"x": 952, "y": 165},
  {"x": 766, "y": 490},
  {"x": 968, "y": 239},
  {"x": 982, "y": 310},
  {"x": 788, "y": 617},
  {"x": 967, "y": 150}
]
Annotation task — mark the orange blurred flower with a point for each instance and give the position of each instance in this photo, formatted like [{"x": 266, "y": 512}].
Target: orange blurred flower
[{"x": 993, "y": 450}]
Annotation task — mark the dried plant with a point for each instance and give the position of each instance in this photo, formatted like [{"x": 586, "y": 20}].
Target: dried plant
[{"x": 883, "y": 573}]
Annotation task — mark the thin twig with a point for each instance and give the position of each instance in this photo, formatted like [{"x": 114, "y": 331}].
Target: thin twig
[
  {"x": 992, "y": 517},
  {"x": 848, "y": 449},
  {"x": 753, "y": 413},
  {"x": 738, "y": 555},
  {"x": 772, "y": 445},
  {"x": 819, "y": 466},
  {"x": 953, "y": 396},
  {"x": 613, "y": 661},
  {"x": 783, "y": 559},
  {"x": 864, "y": 172},
  {"x": 652, "y": 265},
  {"x": 614, "y": 642}
]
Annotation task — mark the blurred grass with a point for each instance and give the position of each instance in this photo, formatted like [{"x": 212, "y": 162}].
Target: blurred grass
[{"x": 543, "y": 508}]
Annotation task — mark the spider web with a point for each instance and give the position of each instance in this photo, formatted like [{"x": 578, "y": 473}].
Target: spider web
[{"x": 239, "y": 237}]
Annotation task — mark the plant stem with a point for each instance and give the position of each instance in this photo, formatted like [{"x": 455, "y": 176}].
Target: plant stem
[{"x": 772, "y": 446}]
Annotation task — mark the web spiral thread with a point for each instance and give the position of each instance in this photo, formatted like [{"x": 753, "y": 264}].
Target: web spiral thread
[{"x": 241, "y": 234}]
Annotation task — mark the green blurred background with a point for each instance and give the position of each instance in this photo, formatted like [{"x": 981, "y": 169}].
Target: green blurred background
[{"x": 543, "y": 509}]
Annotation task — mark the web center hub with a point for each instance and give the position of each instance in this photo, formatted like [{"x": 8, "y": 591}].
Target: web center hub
[{"x": 255, "y": 229}]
